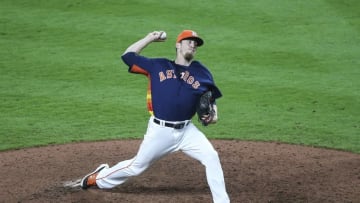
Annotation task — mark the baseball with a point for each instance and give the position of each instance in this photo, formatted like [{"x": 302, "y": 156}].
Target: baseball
[{"x": 162, "y": 35}]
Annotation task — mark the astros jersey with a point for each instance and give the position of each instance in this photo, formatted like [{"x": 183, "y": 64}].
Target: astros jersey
[{"x": 173, "y": 90}]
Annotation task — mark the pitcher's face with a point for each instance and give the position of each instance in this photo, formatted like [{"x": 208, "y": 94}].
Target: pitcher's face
[{"x": 187, "y": 49}]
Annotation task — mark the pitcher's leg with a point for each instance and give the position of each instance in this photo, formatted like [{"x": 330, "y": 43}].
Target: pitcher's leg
[
  {"x": 197, "y": 146},
  {"x": 157, "y": 143}
]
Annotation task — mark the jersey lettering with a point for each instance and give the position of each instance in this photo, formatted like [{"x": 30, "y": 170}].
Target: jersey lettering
[
  {"x": 169, "y": 74},
  {"x": 196, "y": 85},
  {"x": 162, "y": 76},
  {"x": 190, "y": 80},
  {"x": 185, "y": 75}
]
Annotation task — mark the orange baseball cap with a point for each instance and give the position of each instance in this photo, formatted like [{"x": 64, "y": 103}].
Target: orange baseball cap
[{"x": 189, "y": 34}]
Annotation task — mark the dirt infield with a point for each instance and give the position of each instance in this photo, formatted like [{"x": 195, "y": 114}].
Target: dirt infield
[{"x": 254, "y": 172}]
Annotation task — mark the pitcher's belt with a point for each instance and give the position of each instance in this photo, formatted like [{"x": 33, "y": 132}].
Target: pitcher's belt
[{"x": 175, "y": 125}]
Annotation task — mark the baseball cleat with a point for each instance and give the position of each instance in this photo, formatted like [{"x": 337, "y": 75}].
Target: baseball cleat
[
  {"x": 72, "y": 183},
  {"x": 90, "y": 179}
]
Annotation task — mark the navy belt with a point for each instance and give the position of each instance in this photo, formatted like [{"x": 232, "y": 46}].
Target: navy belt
[{"x": 178, "y": 125}]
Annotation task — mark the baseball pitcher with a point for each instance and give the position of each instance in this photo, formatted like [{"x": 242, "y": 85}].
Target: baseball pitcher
[{"x": 177, "y": 90}]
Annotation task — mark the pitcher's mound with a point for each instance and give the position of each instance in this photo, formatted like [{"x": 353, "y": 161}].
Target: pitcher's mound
[{"x": 254, "y": 172}]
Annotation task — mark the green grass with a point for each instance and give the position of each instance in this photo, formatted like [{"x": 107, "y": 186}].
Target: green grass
[{"x": 289, "y": 70}]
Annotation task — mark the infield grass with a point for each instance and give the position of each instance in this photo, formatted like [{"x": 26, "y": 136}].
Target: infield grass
[{"x": 288, "y": 70}]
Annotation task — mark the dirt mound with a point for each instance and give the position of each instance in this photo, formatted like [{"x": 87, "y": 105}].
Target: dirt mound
[{"x": 254, "y": 172}]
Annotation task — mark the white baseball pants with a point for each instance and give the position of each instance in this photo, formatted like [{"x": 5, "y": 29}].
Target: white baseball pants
[{"x": 160, "y": 141}]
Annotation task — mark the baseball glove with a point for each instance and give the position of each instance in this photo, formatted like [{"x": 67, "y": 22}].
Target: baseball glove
[{"x": 204, "y": 108}]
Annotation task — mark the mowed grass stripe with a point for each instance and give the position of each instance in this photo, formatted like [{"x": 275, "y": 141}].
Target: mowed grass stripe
[{"x": 288, "y": 70}]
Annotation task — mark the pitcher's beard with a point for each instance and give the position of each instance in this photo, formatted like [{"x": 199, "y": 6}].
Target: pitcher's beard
[{"x": 189, "y": 56}]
